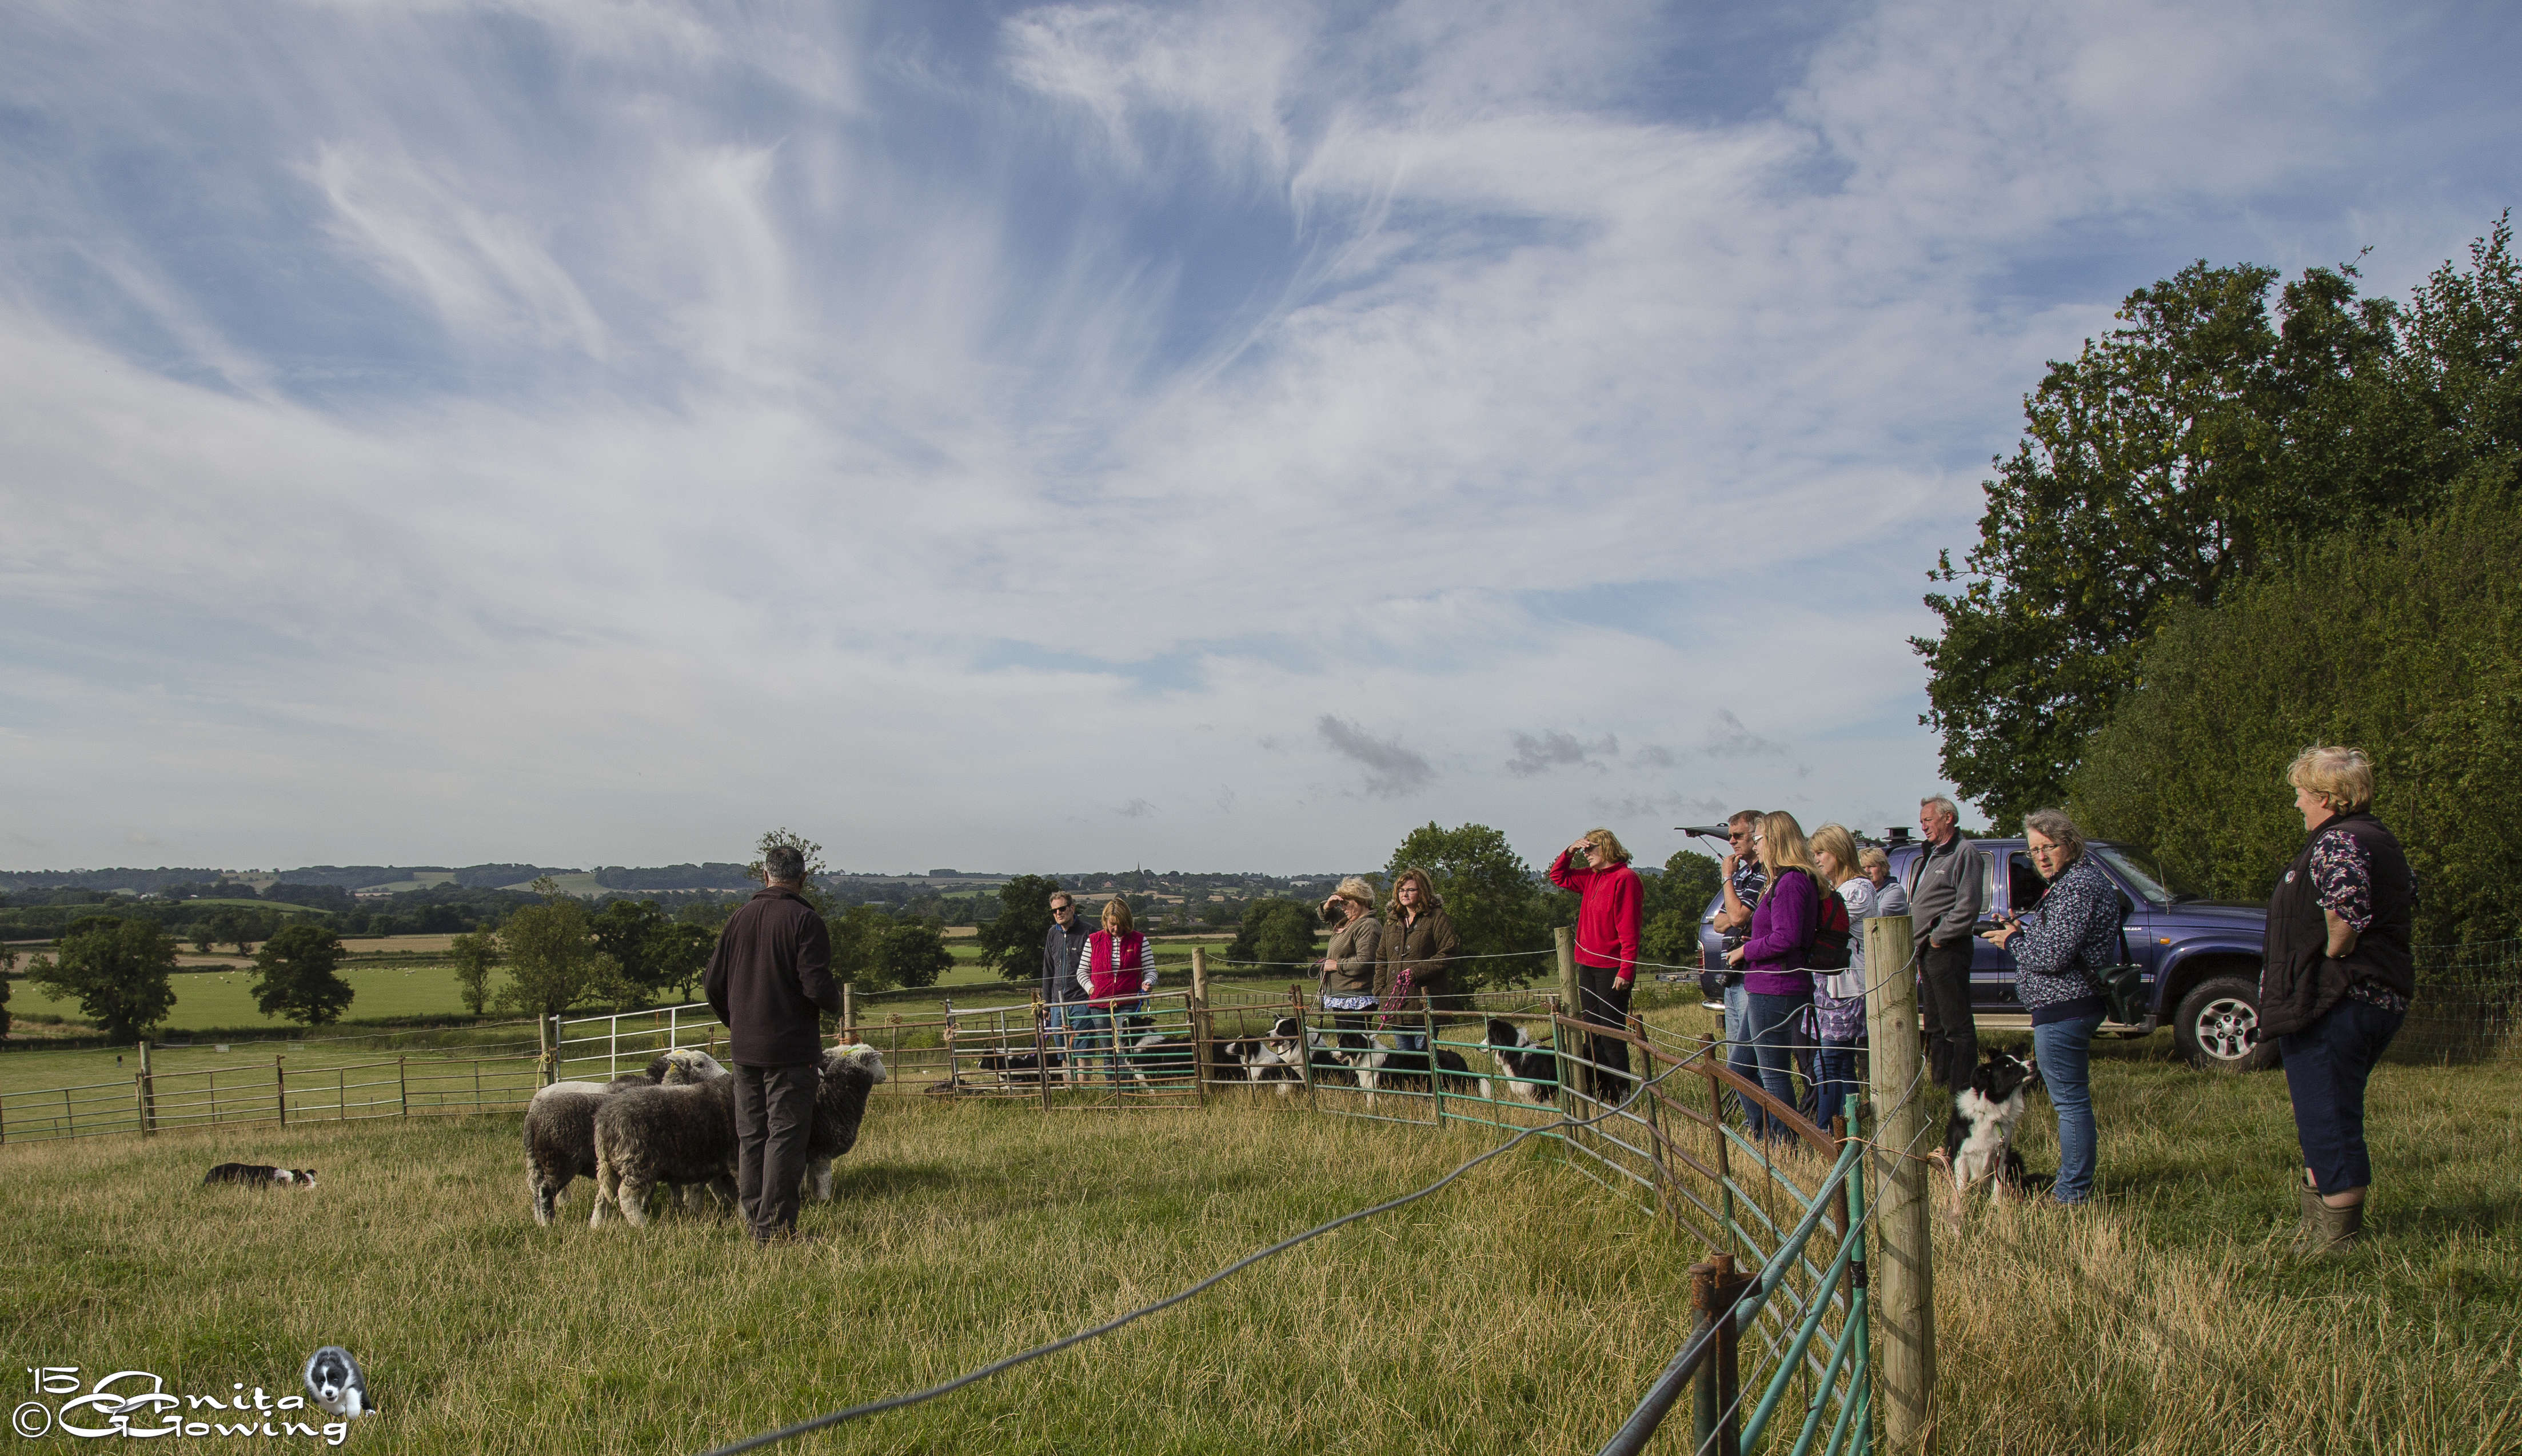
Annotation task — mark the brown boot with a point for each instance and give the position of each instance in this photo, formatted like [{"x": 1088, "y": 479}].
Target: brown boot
[
  {"x": 2307, "y": 1229},
  {"x": 2335, "y": 1230}
]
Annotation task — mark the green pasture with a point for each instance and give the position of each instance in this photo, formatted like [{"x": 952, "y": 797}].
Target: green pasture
[{"x": 1521, "y": 1310}]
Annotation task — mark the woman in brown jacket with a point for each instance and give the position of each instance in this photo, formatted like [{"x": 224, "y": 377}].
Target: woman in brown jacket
[
  {"x": 1345, "y": 984},
  {"x": 1415, "y": 959}
]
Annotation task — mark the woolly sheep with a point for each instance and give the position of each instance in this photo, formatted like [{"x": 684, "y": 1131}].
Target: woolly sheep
[
  {"x": 850, "y": 1074},
  {"x": 688, "y": 1134},
  {"x": 560, "y": 1122}
]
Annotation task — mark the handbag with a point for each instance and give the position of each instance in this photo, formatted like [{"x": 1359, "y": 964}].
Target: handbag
[{"x": 2123, "y": 987}]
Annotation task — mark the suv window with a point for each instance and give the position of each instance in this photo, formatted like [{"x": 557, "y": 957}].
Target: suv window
[
  {"x": 2023, "y": 883},
  {"x": 2133, "y": 876}
]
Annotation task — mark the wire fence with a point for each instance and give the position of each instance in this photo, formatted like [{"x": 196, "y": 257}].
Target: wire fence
[{"x": 2469, "y": 1005}]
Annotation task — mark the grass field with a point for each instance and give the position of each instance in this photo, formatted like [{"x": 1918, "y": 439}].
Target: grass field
[{"x": 1522, "y": 1310}]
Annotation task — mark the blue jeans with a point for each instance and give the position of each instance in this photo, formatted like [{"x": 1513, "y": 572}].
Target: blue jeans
[
  {"x": 1738, "y": 1037},
  {"x": 1775, "y": 1029},
  {"x": 1837, "y": 1082},
  {"x": 2326, "y": 1065},
  {"x": 2064, "y": 1052}
]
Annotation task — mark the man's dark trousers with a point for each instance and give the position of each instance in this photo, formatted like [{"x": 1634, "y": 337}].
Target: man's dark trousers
[
  {"x": 774, "y": 1111},
  {"x": 1945, "y": 996}
]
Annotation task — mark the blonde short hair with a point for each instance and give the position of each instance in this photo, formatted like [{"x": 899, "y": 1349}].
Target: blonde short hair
[
  {"x": 1783, "y": 845},
  {"x": 1610, "y": 844},
  {"x": 2340, "y": 777},
  {"x": 1869, "y": 857},
  {"x": 1117, "y": 909},
  {"x": 1357, "y": 889},
  {"x": 1840, "y": 845}
]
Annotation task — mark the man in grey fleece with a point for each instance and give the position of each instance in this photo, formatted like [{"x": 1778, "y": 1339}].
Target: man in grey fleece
[{"x": 1947, "y": 888}]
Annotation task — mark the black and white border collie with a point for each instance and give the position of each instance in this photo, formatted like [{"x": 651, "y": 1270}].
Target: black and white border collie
[
  {"x": 1978, "y": 1139},
  {"x": 259, "y": 1175},
  {"x": 332, "y": 1378},
  {"x": 1268, "y": 1059},
  {"x": 1380, "y": 1068},
  {"x": 1531, "y": 1067},
  {"x": 1021, "y": 1068}
]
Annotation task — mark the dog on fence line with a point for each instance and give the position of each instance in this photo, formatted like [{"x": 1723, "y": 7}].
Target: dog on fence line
[
  {"x": 1389, "y": 1069},
  {"x": 1978, "y": 1139},
  {"x": 1533, "y": 1069},
  {"x": 259, "y": 1175},
  {"x": 1264, "y": 1060},
  {"x": 1021, "y": 1069},
  {"x": 334, "y": 1378},
  {"x": 1160, "y": 1056}
]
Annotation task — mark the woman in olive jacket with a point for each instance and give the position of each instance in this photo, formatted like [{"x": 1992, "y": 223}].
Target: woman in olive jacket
[
  {"x": 1345, "y": 983},
  {"x": 1419, "y": 946}
]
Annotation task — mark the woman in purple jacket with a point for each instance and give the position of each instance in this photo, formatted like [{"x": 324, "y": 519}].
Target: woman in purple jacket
[{"x": 1772, "y": 961}]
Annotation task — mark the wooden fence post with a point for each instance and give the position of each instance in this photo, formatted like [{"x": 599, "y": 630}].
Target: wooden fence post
[
  {"x": 402, "y": 1084},
  {"x": 1572, "y": 996},
  {"x": 280, "y": 1090},
  {"x": 1717, "y": 1426},
  {"x": 543, "y": 1043},
  {"x": 849, "y": 1014},
  {"x": 1903, "y": 1316},
  {"x": 148, "y": 1094},
  {"x": 1202, "y": 1031}
]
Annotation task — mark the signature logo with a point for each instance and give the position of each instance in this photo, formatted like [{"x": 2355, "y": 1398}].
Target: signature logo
[{"x": 136, "y": 1405}]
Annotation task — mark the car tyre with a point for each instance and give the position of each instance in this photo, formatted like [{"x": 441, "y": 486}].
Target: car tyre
[{"x": 2217, "y": 1026}]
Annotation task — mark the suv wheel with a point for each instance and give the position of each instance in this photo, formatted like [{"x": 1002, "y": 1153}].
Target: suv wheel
[{"x": 2217, "y": 1026}]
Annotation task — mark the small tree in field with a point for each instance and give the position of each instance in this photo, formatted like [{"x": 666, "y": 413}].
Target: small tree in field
[
  {"x": 913, "y": 952},
  {"x": 117, "y": 970},
  {"x": 1489, "y": 895},
  {"x": 1275, "y": 932},
  {"x": 553, "y": 961},
  {"x": 296, "y": 975},
  {"x": 1011, "y": 942},
  {"x": 475, "y": 955}
]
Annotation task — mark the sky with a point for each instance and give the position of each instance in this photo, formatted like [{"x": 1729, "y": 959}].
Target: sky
[{"x": 1013, "y": 437}]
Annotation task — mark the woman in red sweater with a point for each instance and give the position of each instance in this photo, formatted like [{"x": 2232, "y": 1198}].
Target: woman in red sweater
[{"x": 1607, "y": 946}]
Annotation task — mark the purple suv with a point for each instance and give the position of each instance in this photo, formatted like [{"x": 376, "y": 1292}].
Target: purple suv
[{"x": 2202, "y": 957}]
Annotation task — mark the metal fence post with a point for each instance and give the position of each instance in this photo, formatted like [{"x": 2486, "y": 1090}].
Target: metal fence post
[
  {"x": 1904, "y": 1283},
  {"x": 1435, "y": 1083},
  {"x": 1717, "y": 1426},
  {"x": 613, "y": 1045},
  {"x": 1041, "y": 1051}
]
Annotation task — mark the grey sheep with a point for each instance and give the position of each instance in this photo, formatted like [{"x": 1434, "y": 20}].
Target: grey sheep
[
  {"x": 560, "y": 1122},
  {"x": 850, "y": 1074},
  {"x": 688, "y": 1134}
]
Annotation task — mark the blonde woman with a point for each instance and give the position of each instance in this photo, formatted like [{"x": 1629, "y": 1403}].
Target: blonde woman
[
  {"x": 1345, "y": 984},
  {"x": 1608, "y": 916},
  {"x": 2336, "y": 981},
  {"x": 1412, "y": 962},
  {"x": 1839, "y": 996},
  {"x": 1772, "y": 960},
  {"x": 1113, "y": 972}
]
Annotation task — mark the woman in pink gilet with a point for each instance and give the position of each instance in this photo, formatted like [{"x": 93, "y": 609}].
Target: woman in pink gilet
[{"x": 1113, "y": 972}]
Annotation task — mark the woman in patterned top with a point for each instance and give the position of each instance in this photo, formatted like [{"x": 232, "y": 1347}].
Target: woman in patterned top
[
  {"x": 2063, "y": 949},
  {"x": 2335, "y": 981}
]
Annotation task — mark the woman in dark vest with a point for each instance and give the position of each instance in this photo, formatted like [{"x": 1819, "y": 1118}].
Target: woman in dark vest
[{"x": 2336, "y": 981}]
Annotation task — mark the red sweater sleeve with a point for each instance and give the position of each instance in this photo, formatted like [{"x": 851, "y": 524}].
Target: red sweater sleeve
[{"x": 1629, "y": 910}]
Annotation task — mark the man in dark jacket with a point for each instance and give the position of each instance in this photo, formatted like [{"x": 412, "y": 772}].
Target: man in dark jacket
[
  {"x": 1948, "y": 891},
  {"x": 1061, "y": 945},
  {"x": 769, "y": 975}
]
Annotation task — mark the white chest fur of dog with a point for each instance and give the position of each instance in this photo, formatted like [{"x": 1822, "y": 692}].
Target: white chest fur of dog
[{"x": 1979, "y": 1140}]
